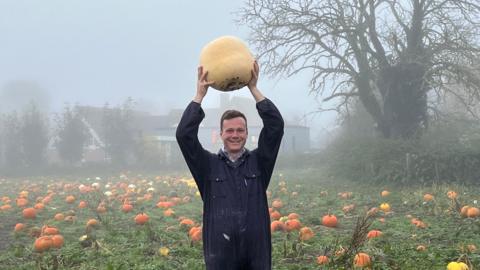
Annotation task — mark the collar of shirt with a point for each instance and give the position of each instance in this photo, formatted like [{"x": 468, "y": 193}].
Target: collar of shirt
[
  {"x": 222, "y": 153},
  {"x": 232, "y": 157}
]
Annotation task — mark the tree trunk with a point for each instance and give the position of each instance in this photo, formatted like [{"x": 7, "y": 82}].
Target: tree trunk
[{"x": 404, "y": 100}]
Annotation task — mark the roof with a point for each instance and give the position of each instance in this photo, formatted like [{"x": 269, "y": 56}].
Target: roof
[{"x": 149, "y": 124}]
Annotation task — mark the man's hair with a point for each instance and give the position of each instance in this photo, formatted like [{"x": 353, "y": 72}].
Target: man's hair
[{"x": 230, "y": 114}]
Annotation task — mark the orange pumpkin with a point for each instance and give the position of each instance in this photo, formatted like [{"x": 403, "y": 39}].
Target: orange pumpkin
[
  {"x": 464, "y": 210},
  {"x": 193, "y": 230},
  {"x": 293, "y": 216},
  {"x": 452, "y": 194},
  {"x": 306, "y": 234},
  {"x": 92, "y": 223},
  {"x": 428, "y": 197},
  {"x": 59, "y": 217},
  {"x": 322, "y": 260},
  {"x": 362, "y": 260},
  {"x": 176, "y": 200},
  {"x": 292, "y": 224},
  {"x": 82, "y": 204},
  {"x": 39, "y": 206},
  {"x": 57, "y": 241},
  {"x": 165, "y": 204},
  {"x": 275, "y": 215},
  {"x": 127, "y": 208},
  {"x": 277, "y": 225},
  {"x": 5, "y": 207},
  {"x": 417, "y": 222},
  {"x": 141, "y": 219},
  {"x": 43, "y": 243},
  {"x": 329, "y": 221},
  {"x": 19, "y": 227},
  {"x": 22, "y": 202},
  {"x": 277, "y": 204},
  {"x": 47, "y": 199},
  {"x": 195, "y": 234},
  {"x": 187, "y": 223},
  {"x": 29, "y": 213},
  {"x": 70, "y": 199},
  {"x": 385, "y": 193},
  {"x": 374, "y": 233},
  {"x": 169, "y": 212},
  {"x": 473, "y": 212},
  {"x": 48, "y": 230}
]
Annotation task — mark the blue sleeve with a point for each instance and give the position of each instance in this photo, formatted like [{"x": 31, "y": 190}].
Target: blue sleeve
[
  {"x": 270, "y": 138},
  {"x": 196, "y": 157}
]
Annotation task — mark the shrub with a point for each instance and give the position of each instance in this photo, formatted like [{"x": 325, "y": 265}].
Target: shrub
[{"x": 448, "y": 151}]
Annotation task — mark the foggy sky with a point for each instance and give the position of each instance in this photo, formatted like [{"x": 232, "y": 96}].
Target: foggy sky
[{"x": 96, "y": 51}]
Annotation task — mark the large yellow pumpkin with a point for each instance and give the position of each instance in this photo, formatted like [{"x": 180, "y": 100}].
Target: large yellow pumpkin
[
  {"x": 457, "y": 266},
  {"x": 229, "y": 63}
]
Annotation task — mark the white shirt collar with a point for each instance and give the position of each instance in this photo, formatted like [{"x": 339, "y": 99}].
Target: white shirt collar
[{"x": 233, "y": 157}]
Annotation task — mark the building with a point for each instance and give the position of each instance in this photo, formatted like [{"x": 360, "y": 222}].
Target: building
[
  {"x": 296, "y": 138},
  {"x": 158, "y": 131}
]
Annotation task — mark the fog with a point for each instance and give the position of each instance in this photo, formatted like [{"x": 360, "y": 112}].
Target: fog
[{"x": 97, "y": 52}]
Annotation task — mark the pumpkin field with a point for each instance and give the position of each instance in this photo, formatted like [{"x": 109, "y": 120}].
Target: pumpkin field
[{"x": 134, "y": 221}]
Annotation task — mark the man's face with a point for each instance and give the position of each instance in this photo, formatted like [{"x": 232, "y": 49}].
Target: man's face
[{"x": 234, "y": 134}]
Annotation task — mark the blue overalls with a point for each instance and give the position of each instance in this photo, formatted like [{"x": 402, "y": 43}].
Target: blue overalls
[{"x": 236, "y": 221}]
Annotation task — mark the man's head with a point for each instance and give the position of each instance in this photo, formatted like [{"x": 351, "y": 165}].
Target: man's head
[{"x": 233, "y": 130}]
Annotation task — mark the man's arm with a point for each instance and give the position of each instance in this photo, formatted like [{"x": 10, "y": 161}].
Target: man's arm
[
  {"x": 196, "y": 157},
  {"x": 252, "y": 84},
  {"x": 202, "y": 85},
  {"x": 270, "y": 137},
  {"x": 272, "y": 131}
]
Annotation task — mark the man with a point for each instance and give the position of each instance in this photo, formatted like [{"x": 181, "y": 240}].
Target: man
[{"x": 233, "y": 182}]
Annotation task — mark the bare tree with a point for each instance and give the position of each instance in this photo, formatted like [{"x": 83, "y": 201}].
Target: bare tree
[{"x": 394, "y": 55}]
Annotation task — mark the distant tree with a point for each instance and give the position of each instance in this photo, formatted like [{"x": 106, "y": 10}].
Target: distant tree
[
  {"x": 34, "y": 137},
  {"x": 148, "y": 153},
  {"x": 393, "y": 55},
  {"x": 72, "y": 135},
  {"x": 118, "y": 132},
  {"x": 12, "y": 144},
  {"x": 17, "y": 94}
]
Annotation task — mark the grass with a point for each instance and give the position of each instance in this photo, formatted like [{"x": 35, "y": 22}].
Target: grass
[{"x": 121, "y": 244}]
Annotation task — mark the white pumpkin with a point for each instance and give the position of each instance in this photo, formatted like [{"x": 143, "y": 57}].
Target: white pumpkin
[{"x": 229, "y": 63}]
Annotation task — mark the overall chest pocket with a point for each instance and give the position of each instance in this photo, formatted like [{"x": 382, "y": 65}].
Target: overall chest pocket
[
  {"x": 218, "y": 197},
  {"x": 253, "y": 184},
  {"x": 219, "y": 185}
]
